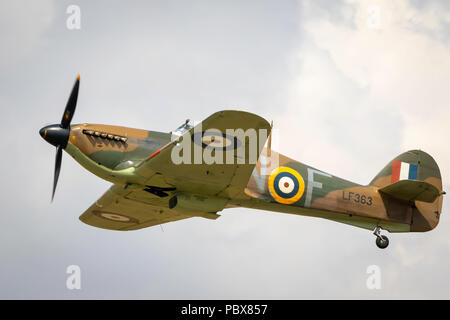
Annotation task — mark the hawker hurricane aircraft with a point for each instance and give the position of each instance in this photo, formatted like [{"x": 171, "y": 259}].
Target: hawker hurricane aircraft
[{"x": 226, "y": 161}]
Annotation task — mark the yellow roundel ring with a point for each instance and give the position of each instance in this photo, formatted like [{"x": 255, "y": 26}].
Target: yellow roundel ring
[{"x": 286, "y": 185}]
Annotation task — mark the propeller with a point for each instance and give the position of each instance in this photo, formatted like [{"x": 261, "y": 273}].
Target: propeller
[{"x": 58, "y": 134}]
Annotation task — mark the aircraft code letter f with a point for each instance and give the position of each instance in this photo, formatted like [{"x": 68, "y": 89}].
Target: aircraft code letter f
[{"x": 313, "y": 184}]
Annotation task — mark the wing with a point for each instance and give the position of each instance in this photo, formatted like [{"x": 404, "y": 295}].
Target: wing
[
  {"x": 132, "y": 209},
  {"x": 234, "y": 155},
  {"x": 242, "y": 136}
]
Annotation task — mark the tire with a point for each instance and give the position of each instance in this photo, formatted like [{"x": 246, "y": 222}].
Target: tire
[{"x": 382, "y": 242}]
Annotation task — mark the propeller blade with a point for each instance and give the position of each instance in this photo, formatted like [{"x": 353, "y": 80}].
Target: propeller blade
[
  {"x": 58, "y": 159},
  {"x": 71, "y": 105}
]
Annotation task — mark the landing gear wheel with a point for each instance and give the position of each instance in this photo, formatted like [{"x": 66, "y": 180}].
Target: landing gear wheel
[{"x": 382, "y": 242}]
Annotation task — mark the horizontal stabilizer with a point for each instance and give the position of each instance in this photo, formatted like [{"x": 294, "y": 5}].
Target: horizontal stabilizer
[{"x": 410, "y": 190}]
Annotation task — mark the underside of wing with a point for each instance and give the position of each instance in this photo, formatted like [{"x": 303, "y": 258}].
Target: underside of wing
[
  {"x": 132, "y": 209},
  {"x": 215, "y": 158}
]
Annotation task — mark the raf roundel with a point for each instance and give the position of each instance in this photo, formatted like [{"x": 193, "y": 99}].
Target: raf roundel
[
  {"x": 286, "y": 185},
  {"x": 114, "y": 216}
]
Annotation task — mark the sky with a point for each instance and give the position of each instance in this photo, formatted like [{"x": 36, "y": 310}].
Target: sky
[{"x": 348, "y": 84}]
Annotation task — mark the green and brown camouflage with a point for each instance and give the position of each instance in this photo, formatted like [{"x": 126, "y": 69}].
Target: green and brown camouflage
[
  {"x": 358, "y": 205},
  {"x": 113, "y": 152},
  {"x": 150, "y": 189},
  {"x": 122, "y": 155}
]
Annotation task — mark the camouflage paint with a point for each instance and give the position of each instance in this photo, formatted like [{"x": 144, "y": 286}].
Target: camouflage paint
[
  {"x": 127, "y": 165},
  {"x": 363, "y": 206}
]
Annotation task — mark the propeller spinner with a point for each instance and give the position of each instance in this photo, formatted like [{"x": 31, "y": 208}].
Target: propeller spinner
[{"x": 58, "y": 134}]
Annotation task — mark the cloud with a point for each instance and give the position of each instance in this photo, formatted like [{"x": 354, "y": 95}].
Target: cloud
[
  {"x": 361, "y": 84},
  {"x": 366, "y": 89},
  {"x": 22, "y": 27}
]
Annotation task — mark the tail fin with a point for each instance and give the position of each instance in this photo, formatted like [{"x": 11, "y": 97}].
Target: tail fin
[{"x": 414, "y": 176}]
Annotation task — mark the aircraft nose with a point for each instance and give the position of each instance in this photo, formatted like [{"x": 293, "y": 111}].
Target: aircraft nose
[
  {"x": 55, "y": 135},
  {"x": 42, "y": 133}
]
